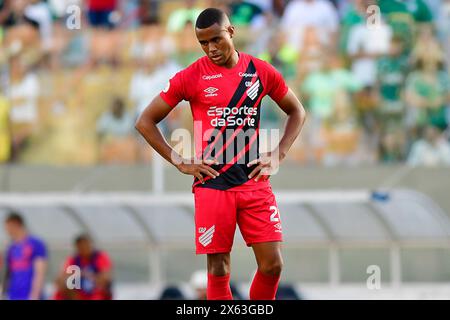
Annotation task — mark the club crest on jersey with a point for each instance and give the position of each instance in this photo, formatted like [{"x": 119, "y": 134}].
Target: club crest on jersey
[
  {"x": 252, "y": 92},
  {"x": 211, "y": 92}
]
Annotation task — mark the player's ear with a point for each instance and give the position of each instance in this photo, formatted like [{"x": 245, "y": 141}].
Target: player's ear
[{"x": 231, "y": 30}]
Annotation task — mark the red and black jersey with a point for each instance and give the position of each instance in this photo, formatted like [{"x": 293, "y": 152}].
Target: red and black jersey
[{"x": 225, "y": 105}]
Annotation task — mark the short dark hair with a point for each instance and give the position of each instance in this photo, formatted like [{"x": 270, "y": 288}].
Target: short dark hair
[
  {"x": 15, "y": 217},
  {"x": 210, "y": 16},
  {"x": 82, "y": 237}
]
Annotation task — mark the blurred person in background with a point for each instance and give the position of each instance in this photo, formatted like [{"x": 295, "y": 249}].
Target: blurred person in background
[
  {"x": 310, "y": 54},
  {"x": 365, "y": 45},
  {"x": 13, "y": 13},
  {"x": 199, "y": 283},
  {"x": 5, "y": 130},
  {"x": 96, "y": 273},
  {"x": 253, "y": 14},
  {"x": 25, "y": 262},
  {"x": 321, "y": 89},
  {"x": 281, "y": 54},
  {"x": 24, "y": 92},
  {"x": 115, "y": 133},
  {"x": 406, "y": 17},
  {"x": 393, "y": 145},
  {"x": 342, "y": 133},
  {"x": 21, "y": 31},
  {"x": 393, "y": 69},
  {"x": 39, "y": 11},
  {"x": 431, "y": 150},
  {"x": 321, "y": 14},
  {"x": 180, "y": 17},
  {"x": 443, "y": 26},
  {"x": 428, "y": 94},
  {"x": 100, "y": 13},
  {"x": 353, "y": 13}
]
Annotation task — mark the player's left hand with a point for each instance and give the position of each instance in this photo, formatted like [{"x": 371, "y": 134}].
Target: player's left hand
[{"x": 267, "y": 164}]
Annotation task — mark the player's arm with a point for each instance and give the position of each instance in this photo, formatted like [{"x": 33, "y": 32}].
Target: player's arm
[
  {"x": 40, "y": 268},
  {"x": 147, "y": 127},
  {"x": 5, "y": 281},
  {"x": 296, "y": 116}
]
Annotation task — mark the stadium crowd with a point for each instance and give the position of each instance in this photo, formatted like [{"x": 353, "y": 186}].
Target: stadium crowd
[{"x": 373, "y": 75}]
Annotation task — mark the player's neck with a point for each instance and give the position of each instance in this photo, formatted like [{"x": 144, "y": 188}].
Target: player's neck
[{"x": 233, "y": 61}]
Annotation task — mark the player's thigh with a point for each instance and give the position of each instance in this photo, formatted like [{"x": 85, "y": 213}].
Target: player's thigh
[
  {"x": 215, "y": 220},
  {"x": 259, "y": 217}
]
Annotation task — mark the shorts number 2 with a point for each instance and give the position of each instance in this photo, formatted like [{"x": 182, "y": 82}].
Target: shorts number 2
[{"x": 275, "y": 213}]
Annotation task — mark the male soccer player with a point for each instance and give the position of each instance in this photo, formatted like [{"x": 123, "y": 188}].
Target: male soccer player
[
  {"x": 225, "y": 89},
  {"x": 96, "y": 273},
  {"x": 25, "y": 262}
]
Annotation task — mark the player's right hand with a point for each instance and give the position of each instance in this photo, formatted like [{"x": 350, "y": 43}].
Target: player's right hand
[{"x": 199, "y": 170}]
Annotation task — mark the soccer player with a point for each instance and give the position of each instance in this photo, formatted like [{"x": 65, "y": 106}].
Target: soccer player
[
  {"x": 25, "y": 262},
  {"x": 231, "y": 185},
  {"x": 96, "y": 273}
]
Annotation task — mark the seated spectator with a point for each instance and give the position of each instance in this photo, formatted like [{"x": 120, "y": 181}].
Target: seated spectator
[
  {"x": 365, "y": 45},
  {"x": 392, "y": 71},
  {"x": 443, "y": 26},
  {"x": 353, "y": 13},
  {"x": 96, "y": 273},
  {"x": 404, "y": 17},
  {"x": 392, "y": 146},
  {"x": 198, "y": 283},
  {"x": 341, "y": 133},
  {"x": 39, "y": 11},
  {"x": 281, "y": 55},
  {"x": 310, "y": 53},
  {"x": 427, "y": 94},
  {"x": 100, "y": 13},
  {"x": 432, "y": 150},
  {"x": 180, "y": 17},
  {"x": 24, "y": 93},
  {"x": 300, "y": 14},
  {"x": 13, "y": 13},
  {"x": 115, "y": 129},
  {"x": 5, "y": 131},
  {"x": 321, "y": 87},
  {"x": 244, "y": 13},
  {"x": 427, "y": 47}
]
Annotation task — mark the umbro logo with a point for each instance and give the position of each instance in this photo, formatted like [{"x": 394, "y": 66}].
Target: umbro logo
[
  {"x": 206, "y": 237},
  {"x": 252, "y": 92},
  {"x": 211, "y": 92}
]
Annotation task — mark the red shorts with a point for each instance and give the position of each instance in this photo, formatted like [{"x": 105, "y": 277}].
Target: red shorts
[{"x": 218, "y": 211}]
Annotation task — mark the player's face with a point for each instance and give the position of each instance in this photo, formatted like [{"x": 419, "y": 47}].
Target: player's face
[
  {"x": 12, "y": 229},
  {"x": 217, "y": 43},
  {"x": 84, "y": 248}
]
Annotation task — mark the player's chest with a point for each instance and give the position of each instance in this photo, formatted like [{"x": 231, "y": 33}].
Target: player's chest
[{"x": 222, "y": 90}]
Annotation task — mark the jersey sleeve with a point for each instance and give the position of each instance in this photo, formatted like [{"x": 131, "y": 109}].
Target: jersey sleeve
[
  {"x": 276, "y": 86},
  {"x": 40, "y": 251},
  {"x": 69, "y": 262},
  {"x": 175, "y": 91},
  {"x": 103, "y": 262}
]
